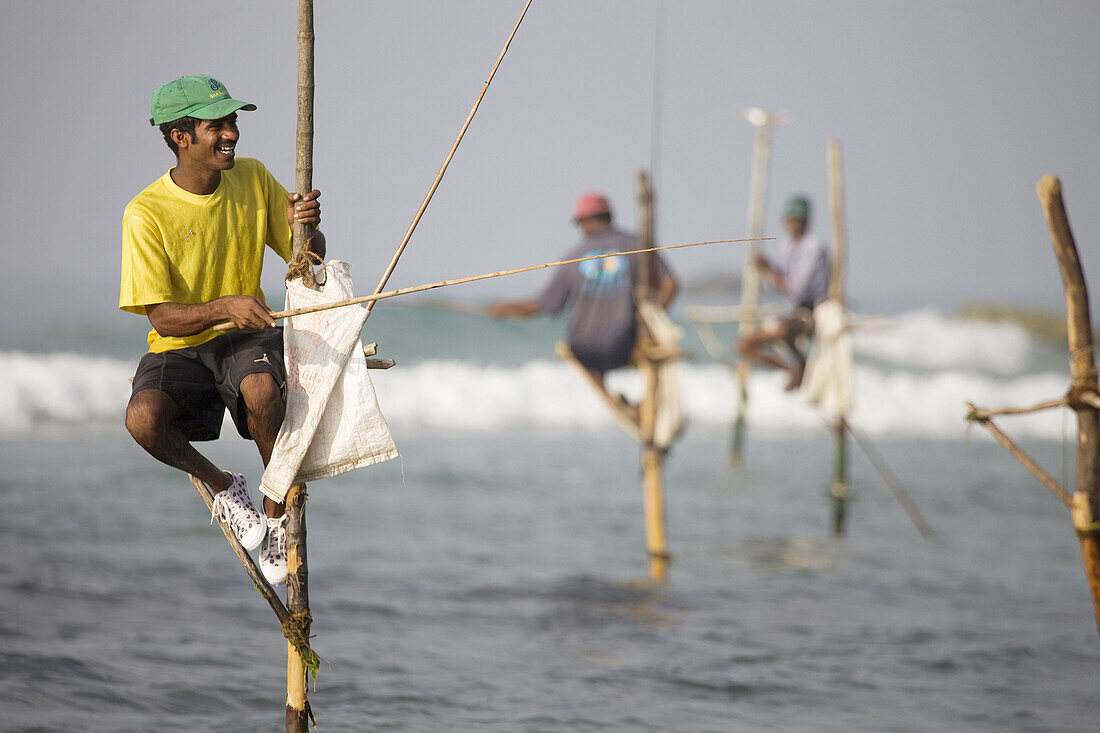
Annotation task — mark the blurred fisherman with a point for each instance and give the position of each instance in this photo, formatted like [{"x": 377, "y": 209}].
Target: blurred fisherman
[
  {"x": 802, "y": 276},
  {"x": 600, "y": 293}
]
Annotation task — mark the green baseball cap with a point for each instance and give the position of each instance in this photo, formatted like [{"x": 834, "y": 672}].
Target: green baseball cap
[
  {"x": 201, "y": 97},
  {"x": 797, "y": 208}
]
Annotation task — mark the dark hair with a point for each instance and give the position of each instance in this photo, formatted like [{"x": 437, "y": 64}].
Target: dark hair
[{"x": 183, "y": 124}]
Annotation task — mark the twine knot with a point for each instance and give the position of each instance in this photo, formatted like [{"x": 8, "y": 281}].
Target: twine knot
[
  {"x": 296, "y": 631},
  {"x": 301, "y": 266}
]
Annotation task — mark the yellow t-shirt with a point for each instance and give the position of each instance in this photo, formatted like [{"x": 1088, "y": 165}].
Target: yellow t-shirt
[{"x": 179, "y": 247}]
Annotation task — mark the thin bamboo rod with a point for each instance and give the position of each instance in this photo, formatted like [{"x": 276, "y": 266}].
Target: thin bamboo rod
[
  {"x": 227, "y": 325},
  {"x": 1028, "y": 462},
  {"x": 254, "y": 573},
  {"x": 626, "y": 421},
  {"x": 293, "y": 633},
  {"x": 712, "y": 344},
  {"x": 980, "y": 414},
  {"x": 446, "y": 162},
  {"x": 892, "y": 483}
]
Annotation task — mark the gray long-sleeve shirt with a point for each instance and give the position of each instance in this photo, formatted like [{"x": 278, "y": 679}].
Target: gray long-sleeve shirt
[
  {"x": 601, "y": 324},
  {"x": 805, "y": 266}
]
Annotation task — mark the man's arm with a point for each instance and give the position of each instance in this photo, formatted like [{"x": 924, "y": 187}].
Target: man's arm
[
  {"x": 767, "y": 269},
  {"x": 666, "y": 290},
  {"x": 515, "y": 308},
  {"x": 182, "y": 319}
]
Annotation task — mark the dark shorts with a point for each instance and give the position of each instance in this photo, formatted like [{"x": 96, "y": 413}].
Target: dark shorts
[
  {"x": 605, "y": 355},
  {"x": 206, "y": 379},
  {"x": 800, "y": 322}
]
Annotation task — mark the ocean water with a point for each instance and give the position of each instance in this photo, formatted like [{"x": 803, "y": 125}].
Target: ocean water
[{"x": 494, "y": 578}]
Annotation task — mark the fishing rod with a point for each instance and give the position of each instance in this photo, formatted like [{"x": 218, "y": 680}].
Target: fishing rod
[
  {"x": 446, "y": 162},
  {"x": 228, "y": 325}
]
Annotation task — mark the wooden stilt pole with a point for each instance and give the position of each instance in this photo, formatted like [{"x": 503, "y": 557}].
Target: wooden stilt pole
[
  {"x": 298, "y": 712},
  {"x": 651, "y": 458},
  {"x": 750, "y": 273},
  {"x": 836, "y": 292},
  {"x": 839, "y": 490},
  {"x": 1086, "y": 495}
]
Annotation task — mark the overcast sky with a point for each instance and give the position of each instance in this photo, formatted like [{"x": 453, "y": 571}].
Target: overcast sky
[{"x": 949, "y": 112}]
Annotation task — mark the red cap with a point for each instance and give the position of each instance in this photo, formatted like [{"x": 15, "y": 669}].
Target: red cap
[{"x": 590, "y": 204}]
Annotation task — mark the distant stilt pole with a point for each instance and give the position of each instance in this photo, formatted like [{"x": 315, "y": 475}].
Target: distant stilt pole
[
  {"x": 839, "y": 488},
  {"x": 651, "y": 458},
  {"x": 298, "y": 711},
  {"x": 1086, "y": 496},
  {"x": 750, "y": 274},
  {"x": 836, "y": 291}
]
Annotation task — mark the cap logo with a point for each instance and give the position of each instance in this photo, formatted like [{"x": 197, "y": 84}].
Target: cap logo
[{"x": 214, "y": 84}]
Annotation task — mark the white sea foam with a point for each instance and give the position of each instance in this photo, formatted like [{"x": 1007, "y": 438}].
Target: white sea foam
[
  {"x": 926, "y": 339},
  {"x": 459, "y": 395},
  {"x": 911, "y": 380},
  {"x": 61, "y": 387}
]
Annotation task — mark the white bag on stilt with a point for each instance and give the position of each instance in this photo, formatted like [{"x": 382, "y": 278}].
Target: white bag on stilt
[
  {"x": 666, "y": 335},
  {"x": 332, "y": 422},
  {"x": 828, "y": 380}
]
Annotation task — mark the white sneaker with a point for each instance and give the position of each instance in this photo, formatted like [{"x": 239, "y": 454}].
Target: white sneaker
[
  {"x": 273, "y": 551},
  {"x": 234, "y": 507}
]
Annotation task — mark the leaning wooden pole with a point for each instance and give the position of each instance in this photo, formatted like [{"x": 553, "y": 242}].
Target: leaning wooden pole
[
  {"x": 298, "y": 711},
  {"x": 1086, "y": 494},
  {"x": 839, "y": 488},
  {"x": 651, "y": 457}
]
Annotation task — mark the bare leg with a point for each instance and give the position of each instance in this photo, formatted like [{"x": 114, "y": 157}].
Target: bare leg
[
  {"x": 757, "y": 347},
  {"x": 149, "y": 419},
  {"x": 598, "y": 379},
  {"x": 798, "y": 367},
  {"x": 265, "y": 407},
  {"x": 760, "y": 347}
]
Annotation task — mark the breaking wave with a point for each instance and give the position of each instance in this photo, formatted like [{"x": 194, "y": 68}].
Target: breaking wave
[{"x": 74, "y": 389}]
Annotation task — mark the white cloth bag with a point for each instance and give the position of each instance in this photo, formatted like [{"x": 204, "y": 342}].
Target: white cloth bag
[
  {"x": 332, "y": 422},
  {"x": 670, "y": 411},
  {"x": 828, "y": 380}
]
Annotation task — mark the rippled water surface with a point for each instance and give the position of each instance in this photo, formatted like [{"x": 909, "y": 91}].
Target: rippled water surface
[{"x": 495, "y": 582}]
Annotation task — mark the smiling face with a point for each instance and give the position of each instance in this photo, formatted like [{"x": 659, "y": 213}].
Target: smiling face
[{"x": 213, "y": 146}]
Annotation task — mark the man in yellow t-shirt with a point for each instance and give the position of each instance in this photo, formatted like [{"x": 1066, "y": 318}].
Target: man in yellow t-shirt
[{"x": 192, "y": 253}]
